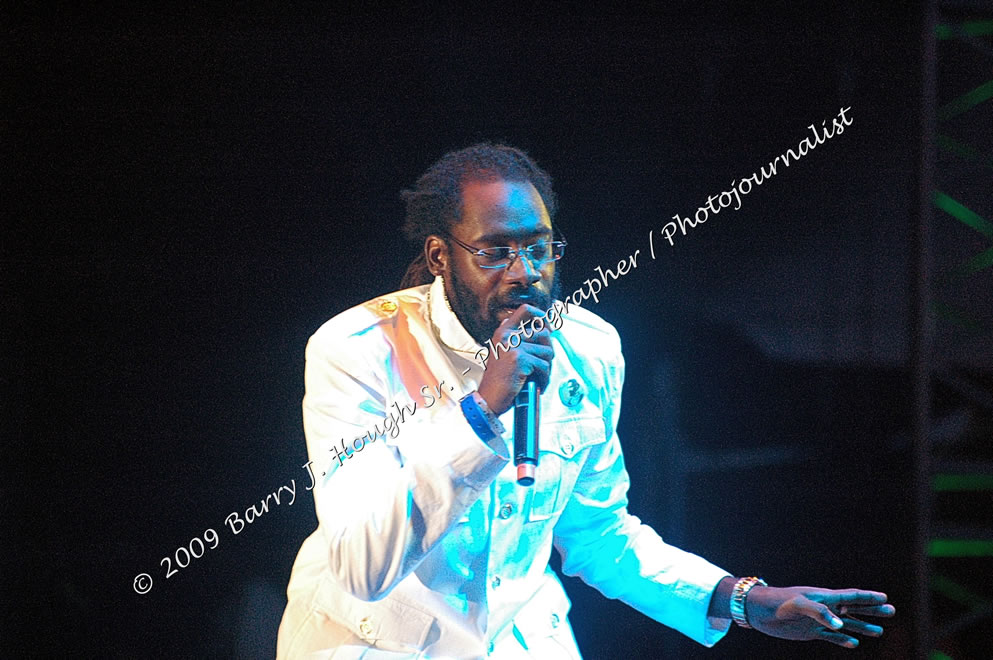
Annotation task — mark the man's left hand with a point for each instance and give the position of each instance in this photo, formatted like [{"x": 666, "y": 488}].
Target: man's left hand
[{"x": 805, "y": 613}]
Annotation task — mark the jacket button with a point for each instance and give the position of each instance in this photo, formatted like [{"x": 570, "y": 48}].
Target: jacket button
[
  {"x": 555, "y": 620},
  {"x": 568, "y": 448},
  {"x": 365, "y": 627},
  {"x": 489, "y": 648},
  {"x": 496, "y": 581},
  {"x": 506, "y": 511},
  {"x": 388, "y": 306}
]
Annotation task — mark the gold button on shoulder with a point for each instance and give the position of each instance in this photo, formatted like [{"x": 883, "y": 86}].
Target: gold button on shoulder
[
  {"x": 365, "y": 627},
  {"x": 387, "y": 306},
  {"x": 506, "y": 510}
]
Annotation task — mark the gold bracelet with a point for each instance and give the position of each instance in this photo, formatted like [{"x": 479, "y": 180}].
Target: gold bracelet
[{"x": 738, "y": 595}]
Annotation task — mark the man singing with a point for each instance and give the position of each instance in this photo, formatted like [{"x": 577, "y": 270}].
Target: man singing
[{"x": 427, "y": 546}]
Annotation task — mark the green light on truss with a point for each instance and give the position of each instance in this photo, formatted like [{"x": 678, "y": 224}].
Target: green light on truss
[
  {"x": 966, "y": 101},
  {"x": 963, "y": 150},
  {"x": 979, "y": 262},
  {"x": 960, "y": 212},
  {"x": 956, "y": 316},
  {"x": 944, "y": 483},
  {"x": 968, "y": 29},
  {"x": 938, "y": 655},
  {"x": 960, "y": 548},
  {"x": 955, "y": 591}
]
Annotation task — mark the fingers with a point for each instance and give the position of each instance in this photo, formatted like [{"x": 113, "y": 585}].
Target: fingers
[
  {"x": 528, "y": 322},
  {"x": 533, "y": 343},
  {"x": 861, "y": 627},
  {"x": 818, "y": 612},
  {"x": 833, "y": 624},
  {"x": 876, "y": 610},
  {"x": 851, "y": 597},
  {"x": 521, "y": 349},
  {"x": 838, "y": 638},
  {"x": 538, "y": 367},
  {"x": 540, "y": 352},
  {"x": 855, "y": 601},
  {"x": 830, "y": 615}
]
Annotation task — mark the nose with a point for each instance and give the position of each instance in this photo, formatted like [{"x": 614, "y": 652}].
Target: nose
[{"x": 527, "y": 273}]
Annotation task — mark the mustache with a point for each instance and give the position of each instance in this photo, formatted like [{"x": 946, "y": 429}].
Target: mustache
[
  {"x": 528, "y": 295},
  {"x": 535, "y": 298}
]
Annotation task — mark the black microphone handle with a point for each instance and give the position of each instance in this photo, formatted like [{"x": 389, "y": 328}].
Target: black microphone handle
[{"x": 527, "y": 409}]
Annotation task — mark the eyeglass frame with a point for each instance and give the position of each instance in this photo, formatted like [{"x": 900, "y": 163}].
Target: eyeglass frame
[{"x": 516, "y": 252}]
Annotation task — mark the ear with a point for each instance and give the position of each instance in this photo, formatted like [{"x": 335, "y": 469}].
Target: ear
[{"x": 436, "y": 255}]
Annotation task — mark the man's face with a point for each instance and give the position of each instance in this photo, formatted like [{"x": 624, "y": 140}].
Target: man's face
[{"x": 494, "y": 214}]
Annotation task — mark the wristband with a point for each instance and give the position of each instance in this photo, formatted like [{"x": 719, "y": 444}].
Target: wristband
[
  {"x": 738, "y": 595},
  {"x": 480, "y": 417}
]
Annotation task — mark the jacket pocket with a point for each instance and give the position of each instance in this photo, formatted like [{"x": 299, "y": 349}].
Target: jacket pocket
[
  {"x": 544, "y": 625},
  {"x": 562, "y": 450},
  {"x": 390, "y": 624}
]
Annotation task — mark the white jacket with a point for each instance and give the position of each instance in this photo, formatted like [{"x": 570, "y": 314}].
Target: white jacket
[{"x": 426, "y": 546}]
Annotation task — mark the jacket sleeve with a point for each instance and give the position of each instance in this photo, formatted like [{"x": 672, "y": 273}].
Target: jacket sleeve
[
  {"x": 382, "y": 509},
  {"x": 613, "y": 551}
]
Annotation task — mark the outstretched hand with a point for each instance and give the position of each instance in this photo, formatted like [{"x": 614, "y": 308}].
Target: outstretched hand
[{"x": 805, "y": 613}]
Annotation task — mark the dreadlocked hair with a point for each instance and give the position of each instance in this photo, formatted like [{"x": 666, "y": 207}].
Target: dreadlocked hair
[{"x": 434, "y": 205}]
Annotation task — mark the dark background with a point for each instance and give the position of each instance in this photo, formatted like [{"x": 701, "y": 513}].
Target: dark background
[{"x": 193, "y": 193}]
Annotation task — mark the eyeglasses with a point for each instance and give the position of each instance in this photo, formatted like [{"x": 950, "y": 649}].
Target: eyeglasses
[{"x": 538, "y": 254}]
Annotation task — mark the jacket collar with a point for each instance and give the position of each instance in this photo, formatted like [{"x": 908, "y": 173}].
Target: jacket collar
[{"x": 447, "y": 326}]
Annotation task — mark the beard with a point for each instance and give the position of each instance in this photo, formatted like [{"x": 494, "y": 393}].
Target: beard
[{"x": 481, "y": 322}]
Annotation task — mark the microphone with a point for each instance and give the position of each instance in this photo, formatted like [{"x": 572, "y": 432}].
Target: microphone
[{"x": 526, "y": 412}]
